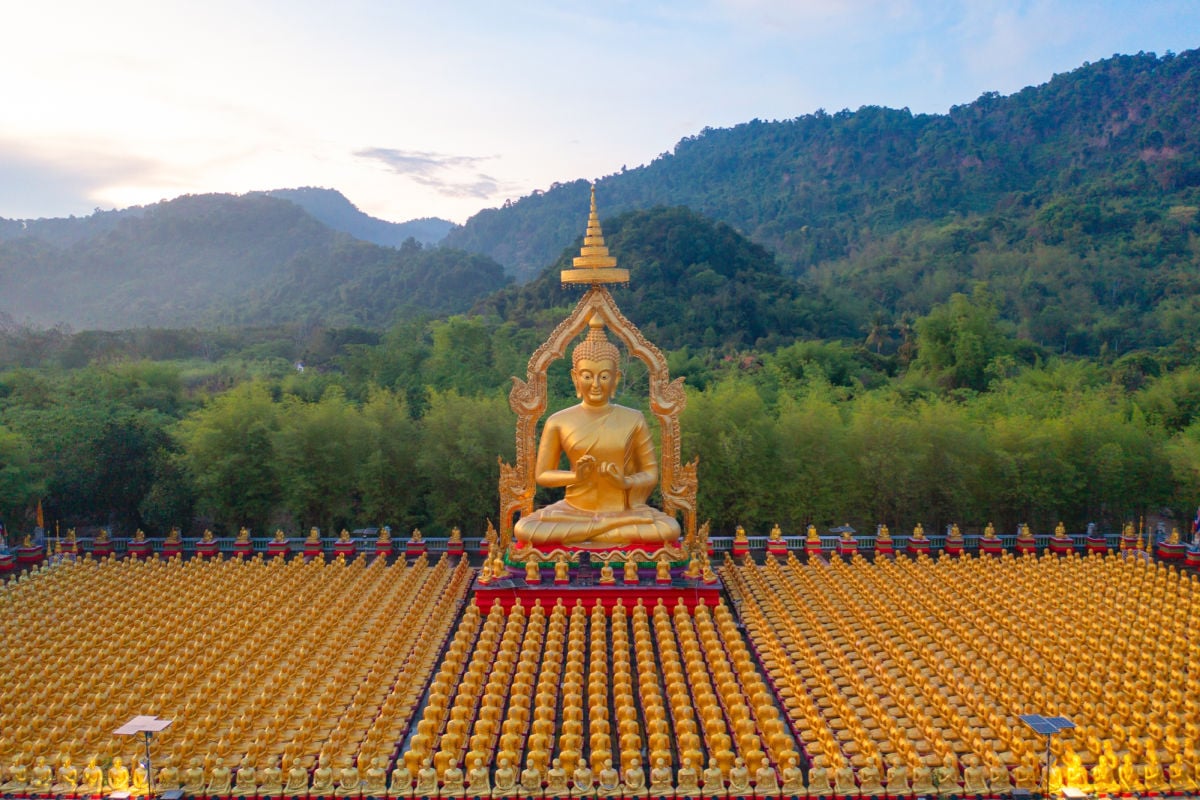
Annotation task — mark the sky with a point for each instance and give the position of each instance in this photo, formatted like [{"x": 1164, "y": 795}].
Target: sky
[{"x": 420, "y": 109}]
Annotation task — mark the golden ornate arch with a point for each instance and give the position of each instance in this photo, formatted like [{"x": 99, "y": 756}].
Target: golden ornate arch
[{"x": 677, "y": 480}]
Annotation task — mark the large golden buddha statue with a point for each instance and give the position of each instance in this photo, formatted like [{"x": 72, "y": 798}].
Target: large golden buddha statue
[{"x": 613, "y": 468}]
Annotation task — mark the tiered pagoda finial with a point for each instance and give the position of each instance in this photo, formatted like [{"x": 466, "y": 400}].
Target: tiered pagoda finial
[{"x": 594, "y": 265}]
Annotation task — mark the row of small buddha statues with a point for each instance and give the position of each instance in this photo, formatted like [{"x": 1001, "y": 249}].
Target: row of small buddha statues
[
  {"x": 262, "y": 657},
  {"x": 513, "y": 689},
  {"x": 935, "y": 660}
]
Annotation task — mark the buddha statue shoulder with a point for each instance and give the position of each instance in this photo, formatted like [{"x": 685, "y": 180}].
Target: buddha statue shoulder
[{"x": 612, "y": 464}]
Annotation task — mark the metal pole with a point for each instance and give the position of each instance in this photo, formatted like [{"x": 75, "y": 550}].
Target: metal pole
[
  {"x": 1047, "y": 777},
  {"x": 149, "y": 771}
]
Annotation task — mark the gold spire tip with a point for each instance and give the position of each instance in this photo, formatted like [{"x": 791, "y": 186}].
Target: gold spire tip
[{"x": 594, "y": 264}]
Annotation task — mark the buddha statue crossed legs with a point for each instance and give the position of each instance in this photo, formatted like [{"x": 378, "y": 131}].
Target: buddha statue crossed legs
[{"x": 613, "y": 468}]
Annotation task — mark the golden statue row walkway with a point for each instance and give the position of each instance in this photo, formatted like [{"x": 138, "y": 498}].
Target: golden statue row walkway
[{"x": 287, "y": 678}]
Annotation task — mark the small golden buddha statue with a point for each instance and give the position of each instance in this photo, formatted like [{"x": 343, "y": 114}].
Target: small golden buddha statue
[
  {"x": 662, "y": 569},
  {"x": 556, "y": 780},
  {"x": 607, "y": 576},
  {"x": 67, "y": 777},
  {"x": 246, "y": 779},
  {"x": 919, "y": 533},
  {"x": 401, "y": 783},
  {"x": 989, "y": 532},
  {"x": 810, "y": 535},
  {"x": 1128, "y": 777},
  {"x": 417, "y": 537},
  {"x": 533, "y": 572},
  {"x": 583, "y": 782},
  {"x": 314, "y": 536},
  {"x": 349, "y": 781},
  {"x": 1183, "y": 778},
  {"x": 452, "y": 780},
  {"x": 739, "y": 779},
  {"x": 139, "y": 536},
  {"x": 344, "y": 536},
  {"x": 243, "y": 536},
  {"x": 193, "y": 776},
  {"x": 118, "y": 776},
  {"x": 322, "y": 778},
  {"x": 41, "y": 776},
  {"x": 613, "y": 468},
  {"x": 455, "y": 534},
  {"x": 207, "y": 538},
  {"x": 897, "y": 777},
  {"x": 1060, "y": 530},
  {"x": 279, "y": 536},
  {"x": 630, "y": 572},
  {"x": 505, "y": 781},
  {"x": 270, "y": 779},
  {"x": 1174, "y": 539},
  {"x": 141, "y": 780},
  {"x": 297, "y": 779},
  {"x": 884, "y": 535},
  {"x": 220, "y": 778},
  {"x": 776, "y": 534},
  {"x": 102, "y": 537}
]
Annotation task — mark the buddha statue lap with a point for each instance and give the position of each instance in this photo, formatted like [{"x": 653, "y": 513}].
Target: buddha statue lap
[{"x": 613, "y": 468}]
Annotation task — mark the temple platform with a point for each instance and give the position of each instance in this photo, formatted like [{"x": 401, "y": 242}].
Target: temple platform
[{"x": 506, "y": 592}]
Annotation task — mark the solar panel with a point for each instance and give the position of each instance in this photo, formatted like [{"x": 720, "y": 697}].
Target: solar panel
[{"x": 1046, "y": 726}]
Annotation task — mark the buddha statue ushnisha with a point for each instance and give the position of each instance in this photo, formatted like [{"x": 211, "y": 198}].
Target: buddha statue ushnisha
[{"x": 613, "y": 468}]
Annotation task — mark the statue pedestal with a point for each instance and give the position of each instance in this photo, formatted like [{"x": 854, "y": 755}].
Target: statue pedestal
[
  {"x": 8, "y": 562},
  {"x": 455, "y": 547},
  {"x": 172, "y": 549},
  {"x": 243, "y": 549},
  {"x": 384, "y": 549},
  {"x": 954, "y": 547},
  {"x": 207, "y": 549},
  {"x": 1129, "y": 542},
  {"x": 276, "y": 549},
  {"x": 346, "y": 550},
  {"x": 991, "y": 547},
  {"x": 1171, "y": 552},
  {"x": 140, "y": 550},
  {"x": 414, "y": 549},
  {"x": 847, "y": 549},
  {"x": 813, "y": 549},
  {"x": 777, "y": 548},
  {"x": 1061, "y": 545},
  {"x": 313, "y": 550},
  {"x": 1193, "y": 558},
  {"x": 917, "y": 547},
  {"x": 1025, "y": 545},
  {"x": 32, "y": 554},
  {"x": 102, "y": 549},
  {"x": 1095, "y": 544},
  {"x": 740, "y": 549}
]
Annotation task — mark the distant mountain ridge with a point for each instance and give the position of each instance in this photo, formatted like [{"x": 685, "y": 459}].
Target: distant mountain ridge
[
  {"x": 206, "y": 260},
  {"x": 331, "y": 207}
]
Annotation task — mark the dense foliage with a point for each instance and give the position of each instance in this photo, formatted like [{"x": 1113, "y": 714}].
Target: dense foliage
[
  {"x": 226, "y": 260},
  {"x": 1075, "y": 200}
]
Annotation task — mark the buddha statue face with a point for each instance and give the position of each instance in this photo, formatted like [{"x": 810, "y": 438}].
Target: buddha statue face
[{"x": 595, "y": 380}]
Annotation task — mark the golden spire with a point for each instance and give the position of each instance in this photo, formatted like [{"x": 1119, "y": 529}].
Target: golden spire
[{"x": 594, "y": 264}]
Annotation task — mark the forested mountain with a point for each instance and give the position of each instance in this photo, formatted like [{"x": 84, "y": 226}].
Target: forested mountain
[
  {"x": 332, "y": 208},
  {"x": 227, "y": 260},
  {"x": 694, "y": 283},
  {"x": 1076, "y": 200}
]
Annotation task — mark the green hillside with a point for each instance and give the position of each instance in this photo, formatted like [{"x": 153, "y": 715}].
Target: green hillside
[
  {"x": 209, "y": 260},
  {"x": 1075, "y": 200}
]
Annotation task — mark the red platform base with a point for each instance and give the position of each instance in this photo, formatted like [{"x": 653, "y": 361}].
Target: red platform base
[
  {"x": 741, "y": 549},
  {"x": 383, "y": 549},
  {"x": 777, "y": 549},
  {"x": 813, "y": 550},
  {"x": 1129, "y": 542},
  {"x": 455, "y": 548},
  {"x": 1095, "y": 544},
  {"x": 1061, "y": 547},
  {"x": 243, "y": 549},
  {"x": 847, "y": 550},
  {"x": 991, "y": 547},
  {"x": 1171, "y": 552},
  {"x": 141, "y": 550},
  {"x": 549, "y": 594},
  {"x": 884, "y": 548},
  {"x": 1193, "y": 559},
  {"x": 102, "y": 549},
  {"x": 915, "y": 549},
  {"x": 172, "y": 549},
  {"x": 1025, "y": 546},
  {"x": 207, "y": 549},
  {"x": 344, "y": 549},
  {"x": 8, "y": 562},
  {"x": 30, "y": 555},
  {"x": 414, "y": 549},
  {"x": 954, "y": 548},
  {"x": 275, "y": 549},
  {"x": 313, "y": 550}
]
